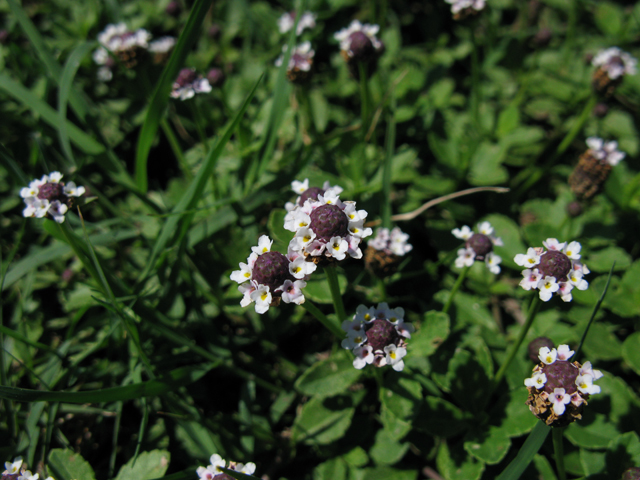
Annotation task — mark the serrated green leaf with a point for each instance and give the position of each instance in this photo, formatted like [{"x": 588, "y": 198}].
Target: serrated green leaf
[
  {"x": 593, "y": 431},
  {"x": 386, "y": 449},
  {"x": 432, "y": 332},
  {"x": 623, "y": 452},
  {"x": 402, "y": 396},
  {"x": 455, "y": 464},
  {"x": 489, "y": 445},
  {"x": 69, "y": 466},
  {"x": 323, "y": 420},
  {"x": 631, "y": 351}
]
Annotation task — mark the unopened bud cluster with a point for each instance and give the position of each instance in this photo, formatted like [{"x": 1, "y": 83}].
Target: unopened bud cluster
[
  {"x": 594, "y": 167},
  {"x": 559, "y": 389},
  {"x": 557, "y": 270},
  {"x": 377, "y": 336}
]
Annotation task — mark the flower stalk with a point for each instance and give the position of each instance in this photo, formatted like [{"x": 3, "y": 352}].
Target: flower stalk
[
  {"x": 456, "y": 287},
  {"x": 334, "y": 287},
  {"x": 558, "y": 451},
  {"x": 323, "y": 319}
]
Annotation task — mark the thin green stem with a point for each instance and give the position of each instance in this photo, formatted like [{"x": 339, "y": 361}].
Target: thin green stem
[
  {"x": 323, "y": 319},
  {"x": 365, "y": 99},
  {"x": 455, "y": 288},
  {"x": 533, "y": 310},
  {"x": 390, "y": 145},
  {"x": 475, "y": 84},
  {"x": 558, "y": 451},
  {"x": 175, "y": 147},
  {"x": 377, "y": 374},
  {"x": 197, "y": 119},
  {"x": 334, "y": 287}
]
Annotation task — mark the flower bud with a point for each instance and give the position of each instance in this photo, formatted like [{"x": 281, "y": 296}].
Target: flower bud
[
  {"x": 329, "y": 221},
  {"x": 535, "y": 346}
]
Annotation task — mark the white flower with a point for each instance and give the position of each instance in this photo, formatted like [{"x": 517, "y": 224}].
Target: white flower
[
  {"x": 28, "y": 476},
  {"x": 530, "y": 259},
  {"x": 564, "y": 353},
  {"x": 354, "y": 339},
  {"x": 301, "y": 58},
  {"x": 538, "y": 380},
  {"x": 466, "y": 257},
  {"x": 292, "y": 291},
  {"x": 458, "y": 5},
  {"x": 464, "y": 233},
  {"x": 531, "y": 279},
  {"x": 300, "y": 187},
  {"x": 49, "y": 196},
  {"x": 12, "y": 468},
  {"x": 338, "y": 247},
  {"x": 605, "y": 151},
  {"x": 241, "y": 275},
  {"x": 547, "y": 287},
  {"x": 394, "y": 356},
  {"x": 344, "y": 36},
  {"x": 485, "y": 228},
  {"x": 286, "y": 21},
  {"x": 585, "y": 384},
  {"x": 554, "y": 244},
  {"x": 264, "y": 245},
  {"x": 188, "y": 84},
  {"x": 565, "y": 291},
  {"x": 493, "y": 262},
  {"x": 57, "y": 210},
  {"x": 559, "y": 399},
  {"x": 547, "y": 356},
  {"x": 572, "y": 250},
  {"x": 587, "y": 369},
  {"x": 162, "y": 45},
  {"x": 364, "y": 355},
  {"x": 262, "y": 296},
  {"x": 615, "y": 62}
]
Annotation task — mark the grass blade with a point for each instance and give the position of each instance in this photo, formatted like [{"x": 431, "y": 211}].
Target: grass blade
[
  {"x": 64, "y": 92},
  {"x": 160, "y": 96},
  {"x": 191, "y": 197},
  {"x": 166, "y": 383},
  {"x": 532, "y": 444},
  {"x": 83, "y": 141}
]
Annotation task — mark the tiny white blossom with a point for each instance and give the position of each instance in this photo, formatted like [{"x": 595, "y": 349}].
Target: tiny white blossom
[
  {"x": 538, "y": 380},
  {"x": 28, "y": 476},
  {"x": 564, "y": 353},
  {"x": 530, "y": 259},
  {"x": 464, "y": 233},
  {"x": 338, "y": 247},
  {"x": 292, "y": 291},
  {"x": 554, "y": 244},
  {"x": 565, "y": 291},
  {"x": 585, "y": 384},
  {"x": 547, "y": 287},
  {"x": 547, "y": 356},
  {"x": 262, "y": 296},
  {"x": 493, "y": 262},
  {"x": 572, "y": 250},
  {"x": 485, "y": 228},
  {"x": 559, "y": 399},
  {"x": 466, "y": 257},
  {"x": 615, "y": 62},
  {"x": 364, "y": 355},
  {"x": 587, "y": 369},
  {"x": 72, "y": 190},
  {"x": 13, "y": 467},
  {"x": 300, "y": 187},
  {"x": 241, "y": 275},
  {"x": 394, "y": 356},
  {"x": 264, "y": 245}
]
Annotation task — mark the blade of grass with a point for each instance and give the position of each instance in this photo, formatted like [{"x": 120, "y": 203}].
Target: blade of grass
[
  {"x": 64, "y": 92},
  {"x": 166, "y": 383},
  {"x": 13, "y": 166},
  {"x": 532, "y": 444},
  {"x": 193, "y": 194},
  {"x": 78, "y": 103},
  {"x": 160, "y": 97},
  {"x": 390, "y": 146},
  {"x": 83, "y": 141}
]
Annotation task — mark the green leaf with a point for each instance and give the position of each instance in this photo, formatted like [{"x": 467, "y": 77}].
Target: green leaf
[
  {"x": 592, "y": 462},
  {"x": 147, "y": 466},
  {"x": 322, "y": 421},
  {"x": 532, "y": 444},
  {"x": 509, "y": 232},
  {"x": 402, "y": 396},
  {"x": 317, "y": 288},
  {"x": 69, "y": 466},
  {"x": 455, "y": 464},
  {"x": 514, "y": 419},
  {"x": 486, "y": 166},
  {"x": 609, "y": 18},
  {"x": 489, "y": 445},
  {"x": 440, "y": 418},
  {"x": 544, "y": 468},
  {"x": 160, "y": 97},
  {"x": 83, "y": 141},
  {"x": 329, "y": 377},
  {"x": 334, "y": 469},
  {"x": 432, "y": 332},
  {"x": 386, "y": 449},
  {"x": 166, "y": 383},
  {"x": 602, "y": 260},
  {"x": 508, "y": 120},
  {"x": 277, "y": 232},
  {"x": 593, "y": 431},
  {"x": 623, "y": 452},
  {"x": 631, "y": 351},
  {"x": 602, "y": 344},
  {"x": 388, "y": 473}
]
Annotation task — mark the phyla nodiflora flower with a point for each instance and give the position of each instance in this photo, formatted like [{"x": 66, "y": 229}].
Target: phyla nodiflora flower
[
  {"x": 557, "y": 270},
  {"x": 122, "y": 42},
  {"x": 385, "y": 251},
  {"x": 558, "y": 388},
  {"x": 478, "y": 246},
  {"x": 594, "y": 167},
  {"x": 269, "y": 277},
  {"x": 213, "y": 470},
  {"x": 49, "y": 196},
  {"x": 326, "y": 228},
  {"x": 377, "y": 336},
  {"x": 300, "y": 62},
  {"x": 188, "y": 84},
  {"x": 612, "y": 65},
  {"x": 287, "y": 20},
  {"x": 462, "y": 9}
]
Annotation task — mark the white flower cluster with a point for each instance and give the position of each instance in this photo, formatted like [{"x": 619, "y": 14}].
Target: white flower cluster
[
  {"x": 344, "y": 36},
  {"x": 478, "y": 246},
  {"x": 16, "y": 470},
  {"x": 301, "y": 58},
  {"x": 586, "y": 375},
  {"x": 162, "y": 45},
  {"x": 557, "y": 270},
  {"x": 289, "y": 272},
  {"x": 116, "y": 38},
  {"x": 326, "y": 232},
  {"x": 615, "y": 62},
  {"x": 394, "y": 242},
  {"x": 188, "y": 84},
  {"x": 377, "y": 336},
  {"x": 49, "y": 196},
  {"x": 458, "y": 5},
  {"x": 606, "y": 152},
  {"x": 214, "y": 469},
  {"x": 301, "y": 188},
  {"x": 286, "y": 21}
]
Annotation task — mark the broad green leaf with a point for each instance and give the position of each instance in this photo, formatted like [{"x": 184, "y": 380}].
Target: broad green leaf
[
  {"x": 402, "y": 396},
  {"x": 278, "y": 234},
  {"x": 515, "y": 419},
  {"x": 592, "y": 462},
  {"x": 440, "y": 418},
  {"x": 609, "y": 18},
  {"x": 489, "y": 445},
  {"x": 508, "y": 120},
  {"x": 631, "y": 351},
  {"x": 329, "y": 377},
  {"x": 334, "y": 469},
  {"x": 323, "y": 420},
  {"x": 454, "y": 463},
  {"x": 432, "y": 332},
  {"x": 317, "y": 288},
  {"x": 469, "y": 381},
  {"x": 544, "y": 467},
  {"x": 386, "y": 449},
  {"x": 623, "y": 452},
  {"x": 388, "y": 473},
  {"x": 486, "y": 166},
  {"x": 602, "y": 260},
  {"x": 593, "y": 431},
  {"x": 602, "y": 344},
  {"x": 69, "y": 466},
  {"x": 147, "y": 466},
  {"x": 394, "y": 426}
]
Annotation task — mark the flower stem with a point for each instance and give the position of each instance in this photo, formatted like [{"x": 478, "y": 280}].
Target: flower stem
[
  {"x": 324, "y": 320},
  {"x": 475, "y": 84},
  {"x": 365, "y": 98},
  {"x": 533, "y": 310},
  {"x": 559, "y": 451},
  {"x": 455, "y": 288},
  {"x": 334, "y": 286}
]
